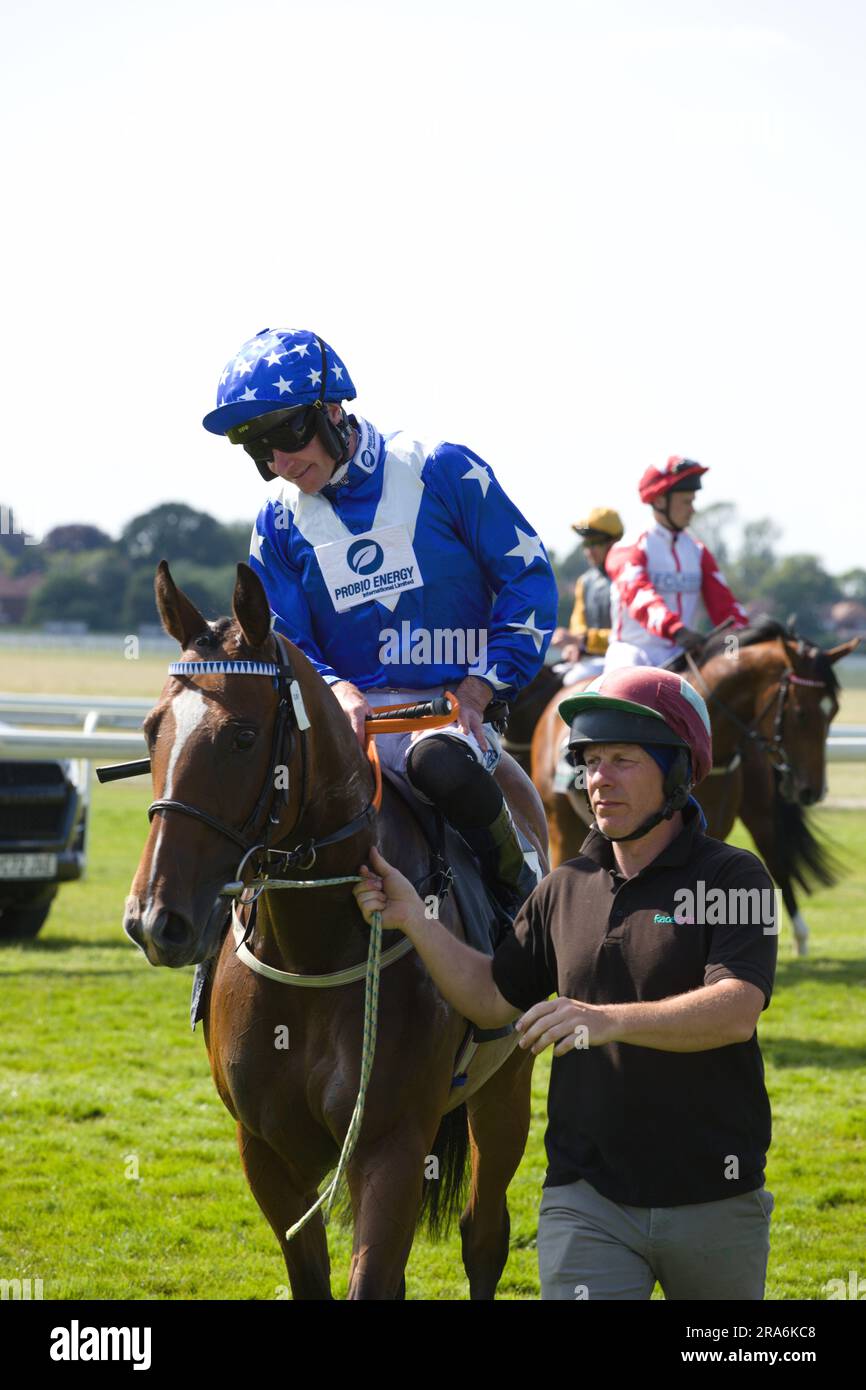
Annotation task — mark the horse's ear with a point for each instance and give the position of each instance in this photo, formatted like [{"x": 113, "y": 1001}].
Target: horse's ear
[
  {"x": 844, "y": 649},
  {"x": 250, "y": 607},
  {"x": 179, "y": 616}
]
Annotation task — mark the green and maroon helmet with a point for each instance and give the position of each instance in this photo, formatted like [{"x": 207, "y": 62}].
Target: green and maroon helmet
[{"x": 655, "y": 709}]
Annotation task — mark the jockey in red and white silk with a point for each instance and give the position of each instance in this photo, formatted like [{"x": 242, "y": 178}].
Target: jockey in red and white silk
[{"x": 660, "y": 577}]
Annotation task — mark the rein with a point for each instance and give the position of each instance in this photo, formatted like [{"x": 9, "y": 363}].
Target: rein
[{"x": 773, "y": 746}]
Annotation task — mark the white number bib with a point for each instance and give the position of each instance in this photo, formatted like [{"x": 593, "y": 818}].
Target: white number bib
[{"x": 376, "y": 565}]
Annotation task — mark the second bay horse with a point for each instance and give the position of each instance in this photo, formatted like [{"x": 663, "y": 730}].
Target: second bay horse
[{"x": 771, "y": 698}]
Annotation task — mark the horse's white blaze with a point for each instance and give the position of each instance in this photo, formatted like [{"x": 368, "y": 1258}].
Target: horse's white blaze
[{"x": 188, "y": 709}]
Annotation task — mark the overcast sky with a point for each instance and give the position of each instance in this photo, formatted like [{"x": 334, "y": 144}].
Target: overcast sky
[{"x": 577, "y": 237}]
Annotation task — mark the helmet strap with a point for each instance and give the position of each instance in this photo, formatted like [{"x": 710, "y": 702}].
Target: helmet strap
[
  {"x": 663, "y": 504},
  {"x": 677, "y": 790},
  {"x": 336, "y": 438}
]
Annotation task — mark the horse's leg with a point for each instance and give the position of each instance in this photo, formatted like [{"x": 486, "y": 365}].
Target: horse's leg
[
  {"x": 498, "y": 1127},
  {"x": 306, "y": 1256},
  {"x": 386, "y": 1182}
]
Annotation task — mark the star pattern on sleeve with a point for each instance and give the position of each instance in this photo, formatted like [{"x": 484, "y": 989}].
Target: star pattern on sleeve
[
  {"x": 491, "y": 676},
  {"x": 528, "y": 547},
  {"x": 477, "y": 473},
  {"x": 528, "y": 626},
  {"x": 256, "y": 546}
]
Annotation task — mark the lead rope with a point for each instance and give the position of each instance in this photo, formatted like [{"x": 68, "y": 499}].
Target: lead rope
[{"x": 371, "y": 1020}]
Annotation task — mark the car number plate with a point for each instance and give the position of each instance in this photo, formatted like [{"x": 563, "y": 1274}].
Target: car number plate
[{"x": 28, "y": 865}]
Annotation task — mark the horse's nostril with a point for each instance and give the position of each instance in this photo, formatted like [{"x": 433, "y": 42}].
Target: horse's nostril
[
  {"x": 175, "y": 930},
  {"x": 132, "y": 927}
]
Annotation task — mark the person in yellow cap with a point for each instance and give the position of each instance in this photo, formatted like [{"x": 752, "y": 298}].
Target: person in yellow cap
[{"x": 584, "y": 642}]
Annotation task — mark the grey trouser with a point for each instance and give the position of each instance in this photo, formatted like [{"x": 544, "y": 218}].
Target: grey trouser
[{"x": 591, "y": 1247}]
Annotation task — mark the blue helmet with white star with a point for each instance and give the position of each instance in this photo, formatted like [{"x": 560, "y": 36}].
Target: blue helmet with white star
[{"x": 277, "y": 369}]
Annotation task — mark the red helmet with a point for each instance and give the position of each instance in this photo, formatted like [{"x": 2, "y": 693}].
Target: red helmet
[
  {"x": 642, "y": 704},
  {"x": 672, "y": 478}
]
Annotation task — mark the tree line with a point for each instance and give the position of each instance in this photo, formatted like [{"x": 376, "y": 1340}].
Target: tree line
[{"x": 81, "y": 574}]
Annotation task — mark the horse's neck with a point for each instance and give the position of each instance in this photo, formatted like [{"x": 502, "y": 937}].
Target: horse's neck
[
  {"x": 338, "y": 785},
  {"x": 743, "y": 683},
  {"x": 317, "y": 930}
]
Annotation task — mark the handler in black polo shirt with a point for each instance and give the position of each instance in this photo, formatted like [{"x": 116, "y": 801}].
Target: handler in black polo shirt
[{"x": 660, "y": 945}]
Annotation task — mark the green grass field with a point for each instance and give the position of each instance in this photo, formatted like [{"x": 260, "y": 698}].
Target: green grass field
[
  {"x": 99, "y": 1072},
  {"x": 101, "y": 1077}
]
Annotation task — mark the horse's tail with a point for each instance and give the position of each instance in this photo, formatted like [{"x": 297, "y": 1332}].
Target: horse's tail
[
  {"x": 445, "y": 1187},
  {"x": 803, "y": 858}
]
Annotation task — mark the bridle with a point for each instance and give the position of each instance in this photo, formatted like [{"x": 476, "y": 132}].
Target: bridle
[
  {"x": 773, "y": 746},
  {"x": 254, "y": 835}
]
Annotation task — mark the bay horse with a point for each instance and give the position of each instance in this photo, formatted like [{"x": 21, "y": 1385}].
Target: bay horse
[
  {"x": 219, "y": 745},
  {"x": 771, "y": 697}
]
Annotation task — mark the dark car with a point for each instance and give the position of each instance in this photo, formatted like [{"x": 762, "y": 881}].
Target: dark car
[{"x": 43, "y": 829}]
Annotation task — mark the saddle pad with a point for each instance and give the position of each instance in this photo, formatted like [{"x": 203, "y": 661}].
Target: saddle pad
[{"x": 481, "y": 920}]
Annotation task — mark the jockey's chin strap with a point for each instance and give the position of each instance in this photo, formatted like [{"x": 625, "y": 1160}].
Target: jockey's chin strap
[
  {"x": 674, "y": 803},
  {"x": 665, "y": 511}
]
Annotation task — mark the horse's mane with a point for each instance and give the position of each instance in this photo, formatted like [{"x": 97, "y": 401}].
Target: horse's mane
[{"x": 769, "y": 630}]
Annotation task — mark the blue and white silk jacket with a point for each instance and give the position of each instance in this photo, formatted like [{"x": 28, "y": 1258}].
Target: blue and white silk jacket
[{"x": 409, "y": 569}]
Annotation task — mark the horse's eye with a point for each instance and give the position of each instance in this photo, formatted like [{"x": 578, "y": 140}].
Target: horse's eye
[{"x": 244, "y": 739}]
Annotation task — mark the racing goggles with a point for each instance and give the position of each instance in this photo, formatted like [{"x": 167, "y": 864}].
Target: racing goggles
[{"x": 286, "y": 430}]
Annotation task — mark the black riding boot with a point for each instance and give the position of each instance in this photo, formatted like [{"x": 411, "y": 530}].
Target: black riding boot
[
  {"x": 448, "y": 774},
  {"x": 506, "y": 872}
]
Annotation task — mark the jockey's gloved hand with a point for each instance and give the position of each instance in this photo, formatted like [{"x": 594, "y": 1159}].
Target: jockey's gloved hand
[{"x": 688, "y": 639}]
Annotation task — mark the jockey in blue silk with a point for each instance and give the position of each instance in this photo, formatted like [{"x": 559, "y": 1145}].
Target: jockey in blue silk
[{"x": 399, "y": 568}]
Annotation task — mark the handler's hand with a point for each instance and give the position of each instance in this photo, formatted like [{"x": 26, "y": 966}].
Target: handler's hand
[
  {"x": 557, "y": 1021},
  {"x": 474, "y": 696},
  {"x": 384, "y": 889},
  {"x": 354, "y": 706}
]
